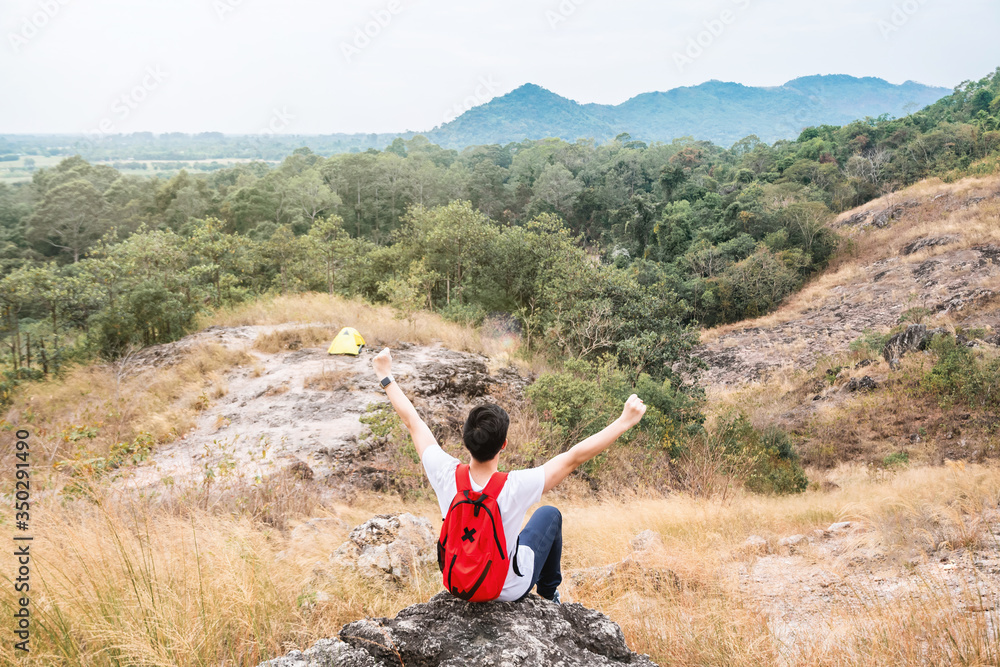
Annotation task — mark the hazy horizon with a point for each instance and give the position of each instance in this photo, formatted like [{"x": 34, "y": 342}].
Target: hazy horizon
[{"x": 392, "y": 66}]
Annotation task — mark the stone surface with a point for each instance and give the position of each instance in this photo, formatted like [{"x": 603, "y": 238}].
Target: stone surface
[
  {"x": 447, "y": 632},
  {"x": 863, "y": 384},
  {"x": 389, "y": 546},
  {"x": 913, "y": 337},
  {"x": 791, "y": 540},
  {"x": 928, "y": 242}
]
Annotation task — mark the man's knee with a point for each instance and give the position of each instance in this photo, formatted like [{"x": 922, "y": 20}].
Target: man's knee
[{"x": 551, "y": 514}]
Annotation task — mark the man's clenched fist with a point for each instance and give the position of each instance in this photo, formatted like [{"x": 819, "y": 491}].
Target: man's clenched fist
[
  {"x": 633, "y": 411},
  {"x": 382, "y": 363}
]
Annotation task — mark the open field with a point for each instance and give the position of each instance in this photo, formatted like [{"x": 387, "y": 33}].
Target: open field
[{"x": 18, "y": 171}]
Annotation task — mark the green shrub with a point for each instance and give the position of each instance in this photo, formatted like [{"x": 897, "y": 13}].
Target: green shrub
[
  {"x": 385, "y": 425},
  {"x": 587, "y": 396},
  {"x": 471, "y": 314},
  {"x": 917, "y": 315},
  {"x": 961, "y": 376},
  {"x": 896, "y": 460},
  {"x": 870, "y": 343},
  {"x": 763, "y": 461}
]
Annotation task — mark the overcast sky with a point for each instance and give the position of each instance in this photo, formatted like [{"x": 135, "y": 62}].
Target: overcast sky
[{"x": 300, "y": 66}]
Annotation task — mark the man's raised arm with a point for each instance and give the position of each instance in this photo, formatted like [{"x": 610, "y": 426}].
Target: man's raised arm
[
  {"x": 562, "y": 465},
  {"x": 421, "y": 434}
]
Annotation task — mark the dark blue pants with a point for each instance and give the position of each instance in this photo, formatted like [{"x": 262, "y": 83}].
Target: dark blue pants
[{"x": 543, "y": 535}]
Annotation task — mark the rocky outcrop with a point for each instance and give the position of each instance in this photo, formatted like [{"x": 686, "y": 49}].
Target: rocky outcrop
[
  {"x": 928, "y": 242},
  {"x": 865, "y": 383},
  {"x": 914, "y": 337},
  {"x": 389, "y": 546},
  {"x": 878, "y": 218},
  {"x": 448, "y": 632}
]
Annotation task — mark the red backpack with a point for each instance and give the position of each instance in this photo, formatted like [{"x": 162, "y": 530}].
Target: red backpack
[{"x": 472, "y": 550}]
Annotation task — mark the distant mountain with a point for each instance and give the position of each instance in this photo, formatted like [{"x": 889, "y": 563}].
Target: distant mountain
[{"x": 718, "y": 111}]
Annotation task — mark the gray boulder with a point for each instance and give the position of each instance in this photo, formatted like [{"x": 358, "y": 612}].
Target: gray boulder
[
  {"x": 913, "y": 337},
  {"x": 389, "y": 546},
  {"x": 864, "y": 384},
  {"x": 448, "y": 632},
  {"x": 647, "y": 540},
  {"x": 928, "y": 242}
]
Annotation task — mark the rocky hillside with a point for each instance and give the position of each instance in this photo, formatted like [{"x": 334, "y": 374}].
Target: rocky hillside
[
  {"x": 921, "y": 261},
  {"x": 932, "y": 249},
  {"x": 298, "y": 408}
]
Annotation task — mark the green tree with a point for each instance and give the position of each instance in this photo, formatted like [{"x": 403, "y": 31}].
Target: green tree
[{"x": 68, "y": 217}]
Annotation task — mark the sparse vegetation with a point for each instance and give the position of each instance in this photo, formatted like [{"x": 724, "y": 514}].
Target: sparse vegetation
[
  {"x": 331, "y": 381},
  {"x": 246, "y": 590}
]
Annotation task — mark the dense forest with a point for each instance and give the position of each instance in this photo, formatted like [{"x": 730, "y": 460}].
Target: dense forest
[{"x": 621, "y": 248}]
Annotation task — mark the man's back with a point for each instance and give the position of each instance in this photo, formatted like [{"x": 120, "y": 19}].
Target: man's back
[{"x": 522, "y": 490}]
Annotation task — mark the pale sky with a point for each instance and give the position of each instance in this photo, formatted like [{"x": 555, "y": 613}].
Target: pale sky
[{"x": 298, "y": 66}]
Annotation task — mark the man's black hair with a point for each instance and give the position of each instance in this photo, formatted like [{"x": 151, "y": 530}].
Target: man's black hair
[{"x": 485, "y": 431}]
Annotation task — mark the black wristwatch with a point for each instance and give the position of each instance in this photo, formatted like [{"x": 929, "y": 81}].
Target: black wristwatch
[{"x": 386, "y": 381}]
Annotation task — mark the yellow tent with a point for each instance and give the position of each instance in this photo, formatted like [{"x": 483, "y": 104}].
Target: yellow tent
[{"x": 348, "y": 341}]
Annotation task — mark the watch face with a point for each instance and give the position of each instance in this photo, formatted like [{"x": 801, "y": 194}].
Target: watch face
[{"x": 385, "y": 381}]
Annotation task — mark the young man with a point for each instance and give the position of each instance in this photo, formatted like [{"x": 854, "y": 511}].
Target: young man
[{"x": 536, "y": 551}]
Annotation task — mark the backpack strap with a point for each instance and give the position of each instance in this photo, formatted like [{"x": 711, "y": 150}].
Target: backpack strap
[
  {"x": 463, "y": 481},
  {"x": 462, "y": 478},
  {"x": 495, "y": 485}
]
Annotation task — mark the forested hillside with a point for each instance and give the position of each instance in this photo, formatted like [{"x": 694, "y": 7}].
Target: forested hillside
[{"x": 618, "y": 248}]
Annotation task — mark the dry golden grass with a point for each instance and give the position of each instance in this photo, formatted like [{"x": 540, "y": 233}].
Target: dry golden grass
[
  {"x": 378, "y": 324},
  {"x": 339, "y": 380},
  {"x": 297, "y": 338},
  {"x": 90, "y": 408},
  {"x": 151, "y": 582}
]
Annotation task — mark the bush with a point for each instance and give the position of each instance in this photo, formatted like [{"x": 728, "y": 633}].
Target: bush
[
  {"x": 761, "y": 461},
  {"x": 918, "y": 315},
  {"x": 870, "y": 344},
  {"x": 587, "y": 396},
  {"x": 471, "y": 314},
  {"x": 896, "y": 460},
  {"x": 960, "y": 375}
]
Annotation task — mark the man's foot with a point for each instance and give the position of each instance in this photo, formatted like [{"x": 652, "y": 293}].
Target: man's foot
[{"x": 555, "y": 597}]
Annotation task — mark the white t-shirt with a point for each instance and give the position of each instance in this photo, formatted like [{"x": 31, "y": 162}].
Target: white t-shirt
[{"x": 522, "y": 490}]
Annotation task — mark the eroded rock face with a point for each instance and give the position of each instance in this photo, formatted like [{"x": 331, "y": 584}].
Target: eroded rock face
[
  {"x": 928, "y": 242},
  {"x": 448, "y": 632},
  {"x": 389, "y": 546},
  {"x": 914, "y": 337}
]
